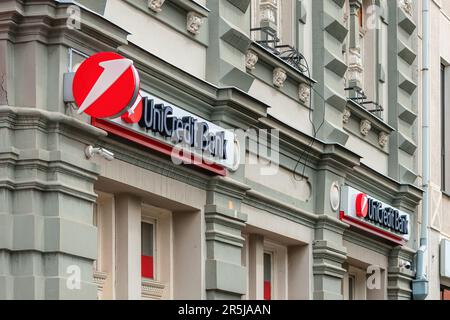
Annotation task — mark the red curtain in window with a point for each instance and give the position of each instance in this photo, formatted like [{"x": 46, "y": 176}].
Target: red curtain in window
[
  {"x": 267, "y": 290},
  {"x": 147, "y": 267},
  {"x": 445, "y": 294}
]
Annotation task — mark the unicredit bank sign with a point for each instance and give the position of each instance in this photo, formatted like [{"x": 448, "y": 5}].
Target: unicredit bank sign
[
  {"x": 106, "y": 87},
  {"x": 367, "y": 213}
]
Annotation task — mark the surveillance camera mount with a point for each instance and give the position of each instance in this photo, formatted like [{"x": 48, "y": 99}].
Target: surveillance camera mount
[{"x": 90, "y": 151}]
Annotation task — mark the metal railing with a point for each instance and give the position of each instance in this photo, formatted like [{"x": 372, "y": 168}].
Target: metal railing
[
  {"x": 270, "y": 41},
  {"x": 361, "y": 98}
]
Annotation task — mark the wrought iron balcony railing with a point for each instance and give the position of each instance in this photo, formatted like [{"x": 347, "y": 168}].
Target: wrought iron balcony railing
[
  {"x": 360, "y": 98},
  {"x": 268, "y": 38}
]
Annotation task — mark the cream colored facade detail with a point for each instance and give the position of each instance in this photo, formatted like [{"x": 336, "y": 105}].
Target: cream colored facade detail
[
  {"x": 251, "y": 58},
  {"x": 407, "y": 6},
  {"x": 156, "y": 5},
  {"x": 99, "y": 280},
  {"x": 383, "y": 139},
  {"x": 152, "y": 290},
  {"x": 335, "y": 197},
  {"x": 269, "y": 11},
  {"x": 355, "y": 65},
  {"x": 194, "y": 22},
  {"x": 304, "y": 93},
  {"x": 279, "y": 77},
  {"x": 365, "y": 127},
  {"x": 346, "y": 116}
]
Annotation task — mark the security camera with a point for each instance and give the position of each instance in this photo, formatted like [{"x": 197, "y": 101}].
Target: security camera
[
  {"x": 405, "y": 264},
  {"x": 90, "y": 151}
]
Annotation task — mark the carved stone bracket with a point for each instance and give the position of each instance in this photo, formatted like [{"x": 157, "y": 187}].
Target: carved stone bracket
[
  {"x": 304, "y": 93},
  {"x": 251, "y": 58},
  {"x": 155, "y": 5},
  {"x": 279, "y": 77},
  {"x": 346, "y": 116},
  {"x": 194, "y": 22},
  {"x": 365, "y": 127}
]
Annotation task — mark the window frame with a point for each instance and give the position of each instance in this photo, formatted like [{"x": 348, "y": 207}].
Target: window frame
[
  {"x": 271, "y": 254},
  {"x": 154, "y": 222}
]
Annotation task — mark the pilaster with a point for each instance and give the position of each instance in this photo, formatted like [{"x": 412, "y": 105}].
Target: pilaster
[
  {"x": 328, "y": 256},
  {"x": 400, "y": 275},
  {"x": 225, "y": 275},
  {"x": 329, "y": 68}
]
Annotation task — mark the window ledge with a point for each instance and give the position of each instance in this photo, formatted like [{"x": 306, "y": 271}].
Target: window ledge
[
  {"x": 363, "y": 114},
  {"x": 191, "y": 5},
  {"x": 276, "y": 62},
  {"x": 152, "y": 289}
]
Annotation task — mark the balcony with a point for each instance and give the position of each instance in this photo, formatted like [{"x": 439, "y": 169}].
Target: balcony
[{"x": 268, "y": 39}]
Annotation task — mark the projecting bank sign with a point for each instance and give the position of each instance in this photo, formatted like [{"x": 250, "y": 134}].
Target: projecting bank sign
[
  {"x": 367, "y": 213},
  {"x": 106, "y": 86}
]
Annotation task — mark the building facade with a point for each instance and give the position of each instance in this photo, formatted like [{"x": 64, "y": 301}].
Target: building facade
[
  {"x": 439, "y": 219},
  {"x": 329, "y": 88}
]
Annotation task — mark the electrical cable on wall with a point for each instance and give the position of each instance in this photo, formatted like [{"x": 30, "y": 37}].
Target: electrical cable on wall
[{"x": 308, "y": 149}]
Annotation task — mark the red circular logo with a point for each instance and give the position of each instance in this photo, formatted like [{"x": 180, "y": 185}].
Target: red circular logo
[
  {"x": 106, "y": 85},
  {"x": 362, "y": 205}
]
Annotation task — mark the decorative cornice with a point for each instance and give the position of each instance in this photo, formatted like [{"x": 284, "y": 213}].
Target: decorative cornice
[
  {"x": 407, "y": 197},
  {"x": 151, "y": 289},
  {"x": 264, "y": 202},
  {"x": 362, "y": 113},
  {"x": 276, "y": 62},
  {"x": 46, "y": 22},
  {"x": 228, "y": 186},
  {"x": 228, "y": 104}
]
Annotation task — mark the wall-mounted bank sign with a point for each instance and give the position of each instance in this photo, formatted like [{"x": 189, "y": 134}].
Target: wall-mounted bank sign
[
  {"x": 106, "y": 86},
  {"x": 367, "y": 213},
  {"x": 164, "y": 126}
]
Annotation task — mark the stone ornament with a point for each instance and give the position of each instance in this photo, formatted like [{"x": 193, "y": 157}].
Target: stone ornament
[
  {"x": 194, "y": 22},
  {"x": 346, "y": 116},
  {"x": 251, "y": 58},
  {"x": 355, "y": 67},
  {"x": 155, "y": 5},
  {"x": 407, "y": 6},
  {"x": 279, "y": 77},
  {"x": 383, "y": 139},
  {"x": 304, "y": 93},
  {"x": 365, "y": 127},
  {"x": 335, "y": 196},
  {"x": 268, "y": 11}
]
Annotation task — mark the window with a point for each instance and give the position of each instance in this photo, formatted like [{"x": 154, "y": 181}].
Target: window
[
  {"x": 351, "y": 287},
  {"x": 445, "y": 293},
  {"x": 268, "y": 276},
  {"x": 363, "y": 56},
  {"x": 275, "y": 17},
  {"x": 147, "y": 250}
]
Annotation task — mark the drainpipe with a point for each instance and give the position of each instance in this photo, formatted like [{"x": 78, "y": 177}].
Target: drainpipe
[{"x": 420, "y": 284}]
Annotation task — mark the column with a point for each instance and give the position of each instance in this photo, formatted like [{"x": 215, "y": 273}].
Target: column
[
  {"x": 128, "y": 247},
  {"x": 256, "y": 267}
]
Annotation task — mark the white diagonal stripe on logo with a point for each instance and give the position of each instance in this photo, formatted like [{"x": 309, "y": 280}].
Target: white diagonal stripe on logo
[{"x": 113, "y": 70}]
